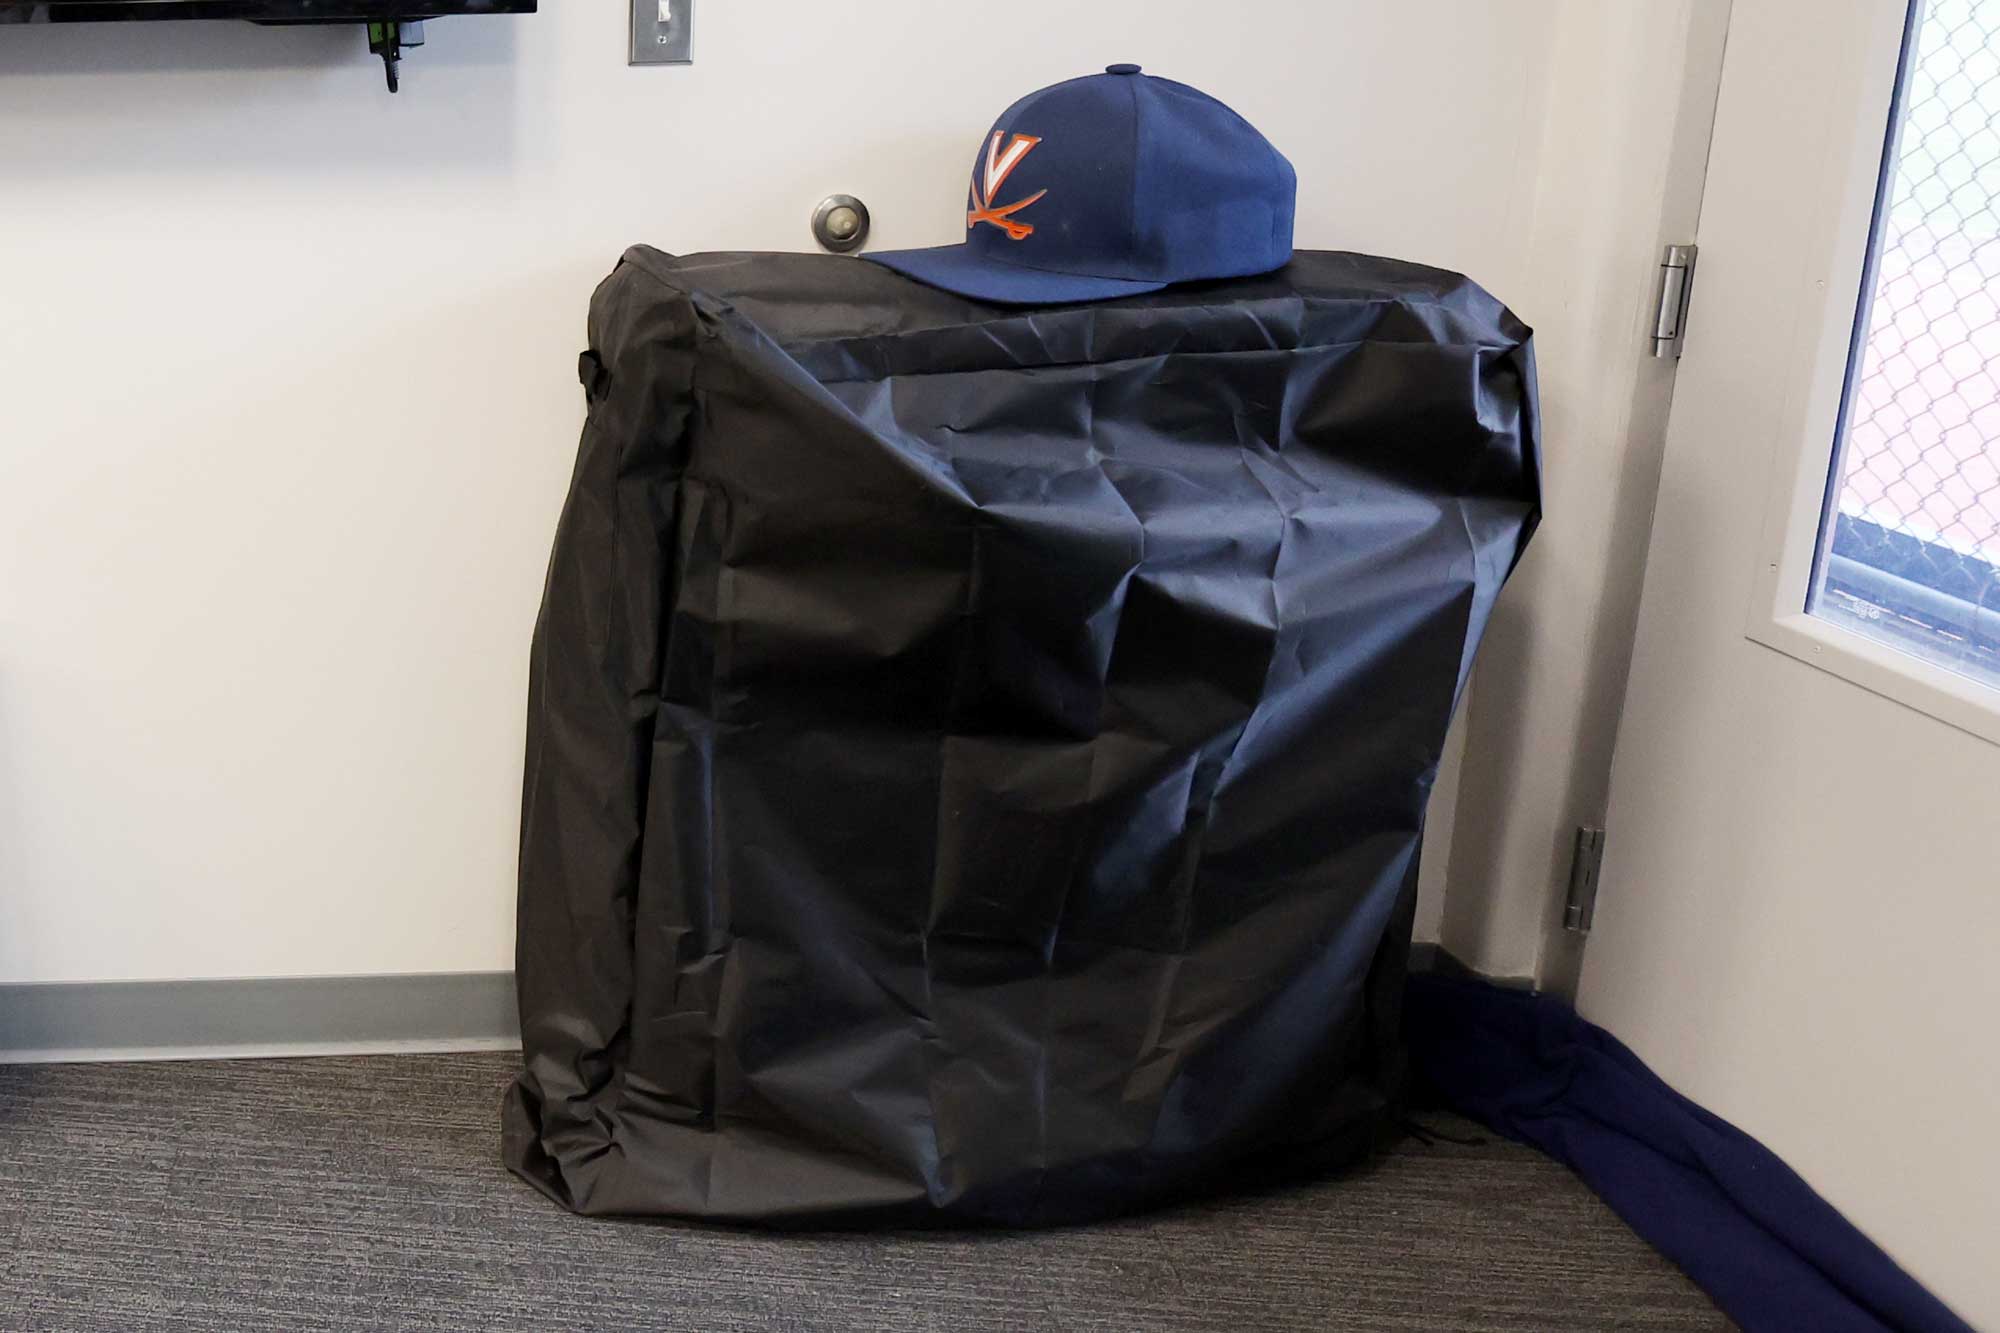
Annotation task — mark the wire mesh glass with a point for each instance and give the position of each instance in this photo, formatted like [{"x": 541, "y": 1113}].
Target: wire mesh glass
[{"x": 1910, "y": 554}]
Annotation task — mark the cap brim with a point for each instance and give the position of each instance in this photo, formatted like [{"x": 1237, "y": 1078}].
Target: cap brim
[{"x": 956, "y": 268}]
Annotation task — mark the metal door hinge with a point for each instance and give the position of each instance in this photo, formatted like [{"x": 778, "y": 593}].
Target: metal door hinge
[
  {"x": 1581, "y": 902},
  {"x": 1670, "y": 311}
]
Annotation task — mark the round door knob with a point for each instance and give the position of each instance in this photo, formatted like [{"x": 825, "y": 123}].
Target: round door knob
[{"x": 840, "y": 223}]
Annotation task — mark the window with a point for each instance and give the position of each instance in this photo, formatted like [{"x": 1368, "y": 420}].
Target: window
[{"x": 1909, "y": 545}]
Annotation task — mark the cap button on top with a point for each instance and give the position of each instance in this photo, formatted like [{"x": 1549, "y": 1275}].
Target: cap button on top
[{"x": 1121, "y": 69}]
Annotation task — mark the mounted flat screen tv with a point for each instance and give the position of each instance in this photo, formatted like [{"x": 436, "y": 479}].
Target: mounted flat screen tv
[{"x": 392, "y": 24}]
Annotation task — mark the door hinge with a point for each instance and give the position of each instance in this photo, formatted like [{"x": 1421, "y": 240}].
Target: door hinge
[
  {"x": 1670, "y": 310},
  {"x": 1581, "y": 902}
]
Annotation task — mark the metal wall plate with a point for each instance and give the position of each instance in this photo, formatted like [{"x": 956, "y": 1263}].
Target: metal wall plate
[{"x": 662, "y": 32}]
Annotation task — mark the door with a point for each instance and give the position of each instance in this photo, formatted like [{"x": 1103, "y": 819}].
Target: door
[{"x": 1800, "y": 902}]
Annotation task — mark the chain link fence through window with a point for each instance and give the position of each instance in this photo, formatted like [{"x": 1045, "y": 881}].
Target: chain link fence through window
[{"x": 1912, "y": 556}]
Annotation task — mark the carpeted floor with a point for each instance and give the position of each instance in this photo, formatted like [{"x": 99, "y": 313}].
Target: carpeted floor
[{"x": 367, "y": 1193}]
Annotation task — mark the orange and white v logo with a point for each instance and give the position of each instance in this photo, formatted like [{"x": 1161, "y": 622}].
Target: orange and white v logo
[{"x": 1000, "y": 164}]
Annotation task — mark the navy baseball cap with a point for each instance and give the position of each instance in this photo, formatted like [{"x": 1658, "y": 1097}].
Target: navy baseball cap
[{"x": 1110, "y": 185}]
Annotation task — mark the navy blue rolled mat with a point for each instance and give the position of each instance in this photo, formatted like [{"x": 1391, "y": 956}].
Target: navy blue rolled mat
[{"x": 1742, "y": 1224}]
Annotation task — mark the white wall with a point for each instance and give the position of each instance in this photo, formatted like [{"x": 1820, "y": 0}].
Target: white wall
[
  {"x": 1630, "y": 103},
  {"x": 287, "y": 367}
]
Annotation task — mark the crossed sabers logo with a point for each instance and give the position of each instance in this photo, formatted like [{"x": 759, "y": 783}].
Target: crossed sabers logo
[{"x": 999, "y": 164}]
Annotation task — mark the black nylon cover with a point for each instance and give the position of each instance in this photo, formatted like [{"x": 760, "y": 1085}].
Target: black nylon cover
[{"x": 977, "y": 756}]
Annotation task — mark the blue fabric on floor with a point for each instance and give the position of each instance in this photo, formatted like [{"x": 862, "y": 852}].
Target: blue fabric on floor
[{"x": 1742, "y": 1224}]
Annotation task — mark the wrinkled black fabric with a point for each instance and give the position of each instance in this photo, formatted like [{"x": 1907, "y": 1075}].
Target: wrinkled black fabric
[
  {"x": 977, "y": 756},
  {"x": 1753, "y": 1235}
]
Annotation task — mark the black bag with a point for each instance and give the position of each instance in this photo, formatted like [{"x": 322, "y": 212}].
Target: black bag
[{"x": 977, "y": 756}]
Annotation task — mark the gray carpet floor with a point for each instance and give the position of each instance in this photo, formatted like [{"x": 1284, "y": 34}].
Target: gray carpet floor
[{"x": 368, "y": 1194}]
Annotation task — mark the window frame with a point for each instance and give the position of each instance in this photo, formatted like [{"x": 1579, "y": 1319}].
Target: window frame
[{"x": 1835, "y": 288}]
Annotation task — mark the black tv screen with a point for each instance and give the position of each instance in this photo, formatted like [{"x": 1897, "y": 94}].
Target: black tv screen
[
  {"x": 392, "y": 24},
  {"x": 257, "y": 11}
]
